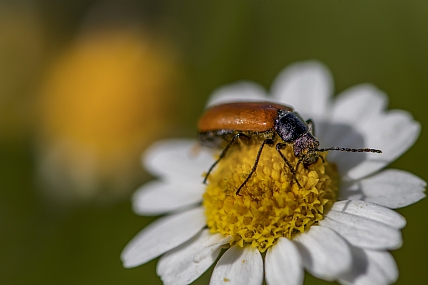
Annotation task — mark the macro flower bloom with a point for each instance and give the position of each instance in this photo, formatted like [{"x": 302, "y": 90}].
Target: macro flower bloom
[{"x": 338, "y": 225}]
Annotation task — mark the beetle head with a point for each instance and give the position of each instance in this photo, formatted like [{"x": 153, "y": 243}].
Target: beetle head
[{"x": 306, "y": 148}]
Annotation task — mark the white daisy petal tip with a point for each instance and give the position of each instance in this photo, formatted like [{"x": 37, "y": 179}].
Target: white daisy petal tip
[
  {"x": 371, "y": 267},
  {"x": 352, "y": 106},
  {"x": 391, "y": 188},
  {"x": 241, "y": 91},
  {"x": 363, "y": 231},
  {"x": 166, "y": 158},
  {"x": 161, "y": 197},
  {"x": 370, "y": 211},
  {"x": 150, "y": 158},
  {"x": 161, "y": 236},
  {"x": 393, "y": 132},
  {"x": 307, "y": 86}
]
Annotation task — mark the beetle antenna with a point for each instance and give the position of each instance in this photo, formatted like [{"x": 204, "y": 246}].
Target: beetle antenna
[{"x": 350, "y": 149}]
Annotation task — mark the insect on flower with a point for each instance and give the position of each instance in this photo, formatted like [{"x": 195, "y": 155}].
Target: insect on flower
[
  {"x": 261, "y": 122},
  {"x": 273, "y": 230}
]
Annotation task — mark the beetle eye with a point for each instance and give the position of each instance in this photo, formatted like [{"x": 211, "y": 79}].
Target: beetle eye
[{"x": 290, "y": 127}]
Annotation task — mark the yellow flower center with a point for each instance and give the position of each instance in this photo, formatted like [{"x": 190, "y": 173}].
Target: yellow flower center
[{"x": 271, "y": 204}]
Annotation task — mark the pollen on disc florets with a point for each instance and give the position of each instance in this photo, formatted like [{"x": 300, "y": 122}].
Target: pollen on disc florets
[{"x": 271, "y": 204}]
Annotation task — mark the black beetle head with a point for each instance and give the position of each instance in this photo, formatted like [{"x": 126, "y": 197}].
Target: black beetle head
[
  {"x": 294, "y": 130},
  {"x": 307, "y": 148}
]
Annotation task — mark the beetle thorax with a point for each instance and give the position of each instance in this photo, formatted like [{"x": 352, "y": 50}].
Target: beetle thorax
[{"x": 290, "y": 126}]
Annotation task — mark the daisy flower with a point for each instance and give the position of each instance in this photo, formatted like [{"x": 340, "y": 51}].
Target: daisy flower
[{"x": 337, "y": 224}]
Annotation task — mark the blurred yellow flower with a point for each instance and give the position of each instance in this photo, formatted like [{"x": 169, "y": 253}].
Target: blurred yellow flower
[{"x": 104, "y": 99}]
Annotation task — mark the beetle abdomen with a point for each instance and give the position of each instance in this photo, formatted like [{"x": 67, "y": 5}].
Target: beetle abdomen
[{"x": 242, "y": 116}]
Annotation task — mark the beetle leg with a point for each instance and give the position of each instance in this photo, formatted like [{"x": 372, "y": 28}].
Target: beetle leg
[
  {"x": 311, "y": 126},
  {"x": 299, "y": 161},
  {"x": 266, "y": 141},
  {"x": 223, "y": 153},
  {"x": 306, "y": 165},
  {"x": 279, "y": 146}
]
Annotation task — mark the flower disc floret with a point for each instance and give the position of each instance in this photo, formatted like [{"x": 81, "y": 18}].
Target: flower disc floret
[{"x": 271, "y": 204}]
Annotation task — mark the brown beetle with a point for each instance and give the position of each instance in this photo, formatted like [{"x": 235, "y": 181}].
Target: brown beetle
[{"x": 221, "y": 125}]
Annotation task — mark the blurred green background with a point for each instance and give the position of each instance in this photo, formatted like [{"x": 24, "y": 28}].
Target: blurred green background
[{"x": 74, "y": 120}]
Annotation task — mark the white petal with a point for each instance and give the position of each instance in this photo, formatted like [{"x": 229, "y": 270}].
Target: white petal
[
  {"x": 391, "y": 188},
  {"x": 371, "y": 268},
  {"x": 382, "y": 268},
  {"x": 393, "y": 133},
  {"x": 241, "y": 91},
  {"x": 177, "y": 266},
  {"x": 352, "y": 107},
  {"x": 363, "y": 232},
  {"x": 283, "y": 264},
  {"x": 162, "y": 235},
  {"x": 177, "y": 160},
  {"x": 239, "y": 266},
  {"x": 325, "y": 254},
  {"x": 358, "y": 104},
  {"x": 307, "y": 86},
  {"x": 159, "y": 197},
  {"x": 370, "y": 211},
  {"x": 216, "y": 241}
]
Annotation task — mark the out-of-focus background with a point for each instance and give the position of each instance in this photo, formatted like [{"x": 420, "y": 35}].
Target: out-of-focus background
[{"x": 86, "y": 86}]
